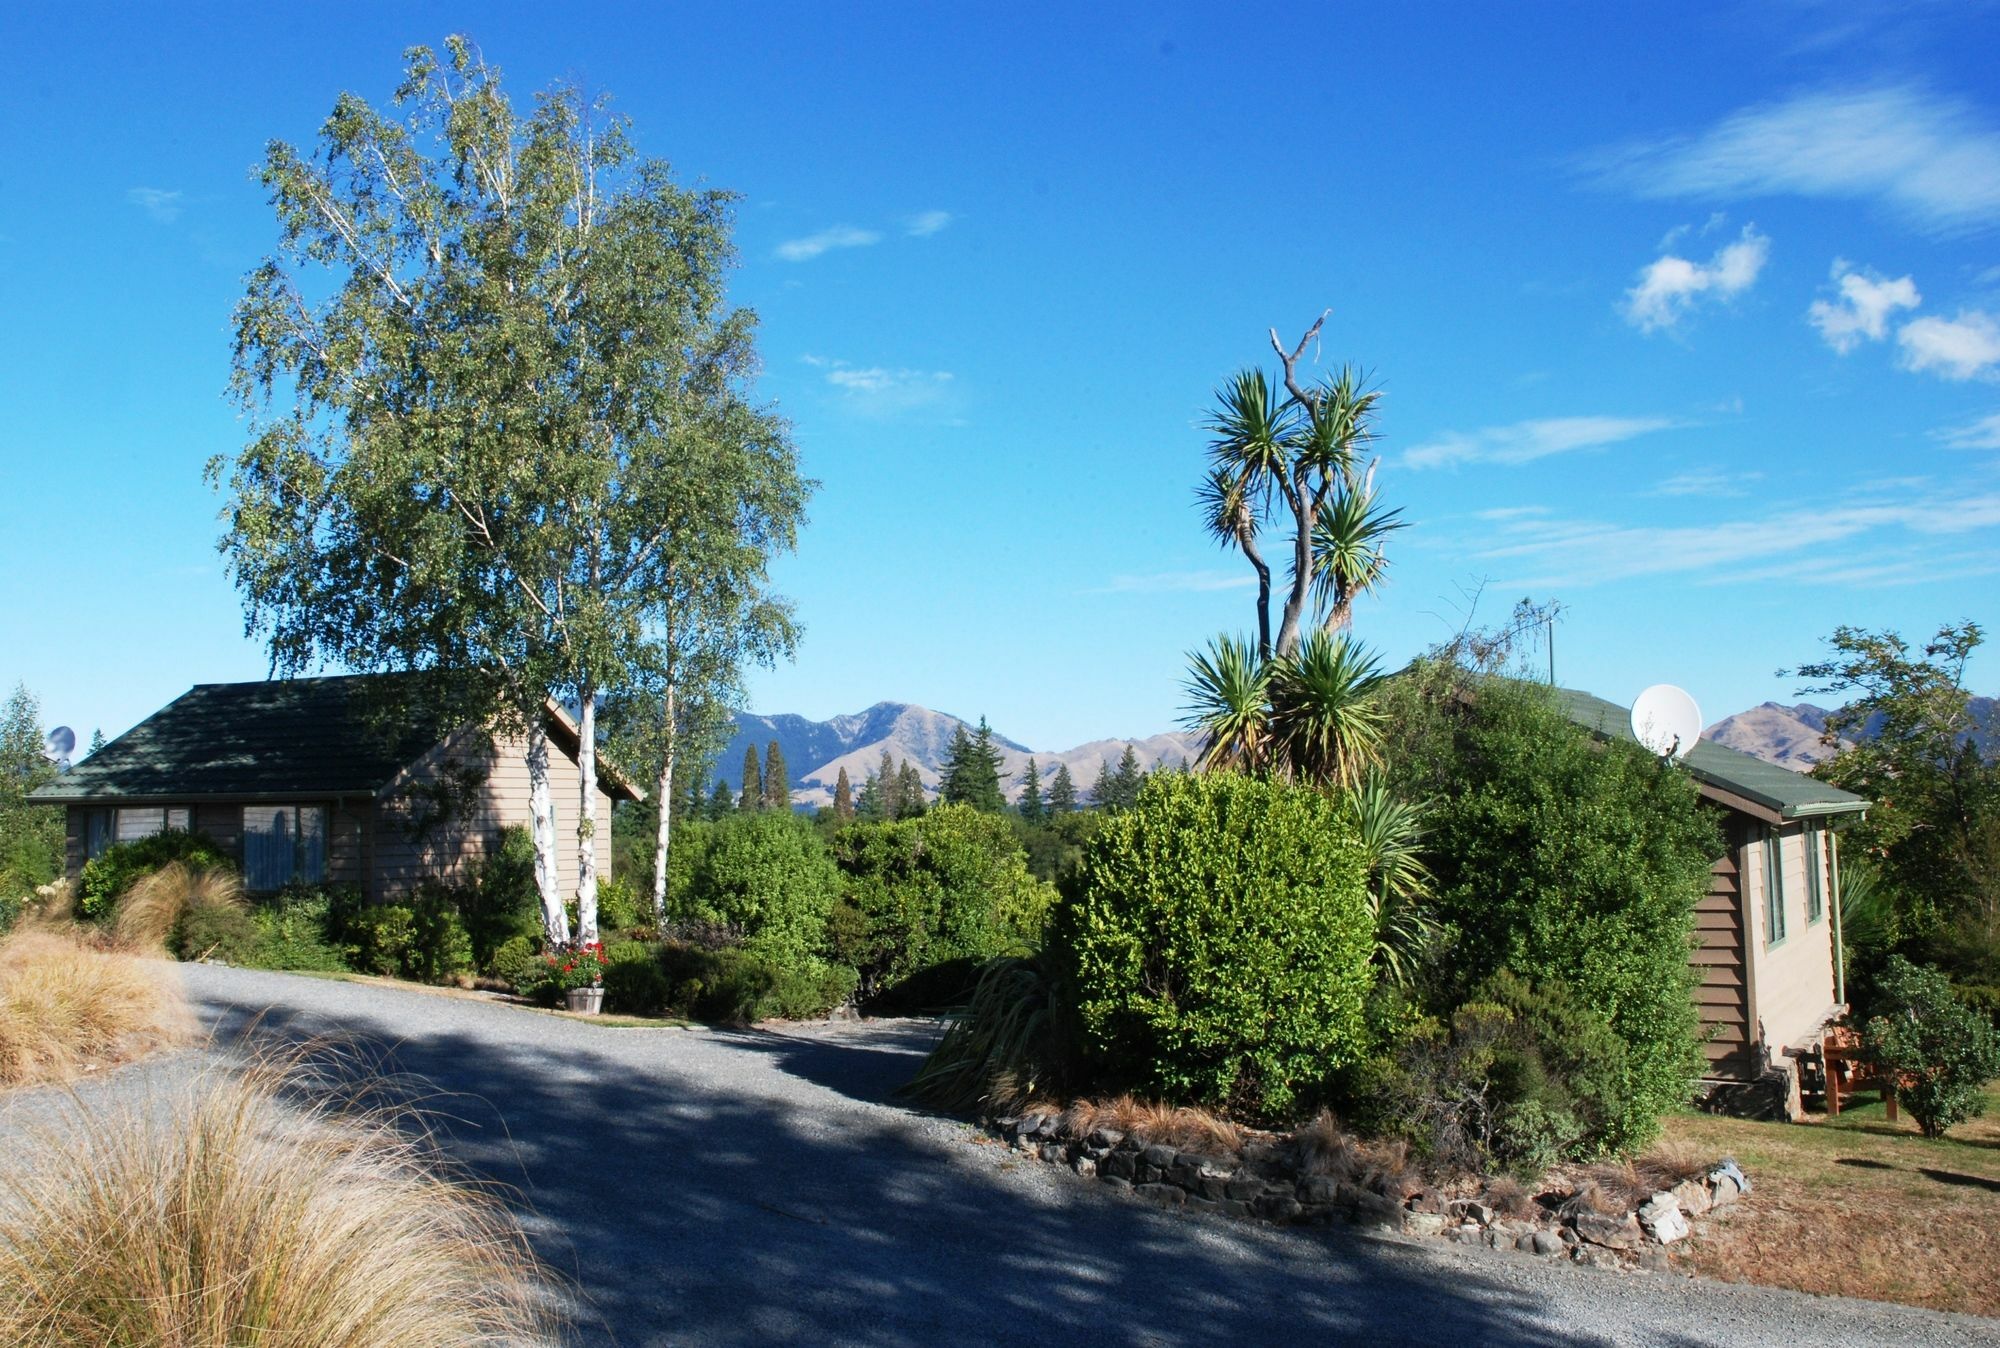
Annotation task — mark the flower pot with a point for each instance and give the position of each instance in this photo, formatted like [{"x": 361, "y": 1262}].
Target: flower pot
[{"x": 586, "y": 1001}]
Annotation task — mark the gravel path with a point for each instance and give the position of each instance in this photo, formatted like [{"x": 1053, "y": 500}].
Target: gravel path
[{"x": 711, "y": 1187}]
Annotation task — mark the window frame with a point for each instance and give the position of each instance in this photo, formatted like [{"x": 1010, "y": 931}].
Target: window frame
[
  {"x": 301, "y": 844},
  {"x": 1815, "y": 877},
  {"x": 1774, "y": 887}
]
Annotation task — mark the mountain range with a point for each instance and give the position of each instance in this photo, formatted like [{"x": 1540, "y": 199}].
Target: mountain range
[{"x": 816, "y": 751}]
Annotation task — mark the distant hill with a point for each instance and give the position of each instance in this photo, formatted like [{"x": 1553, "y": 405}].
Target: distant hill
[
  {"x": 1792, "y": 736},
  {"x": 816, "y": 751}
]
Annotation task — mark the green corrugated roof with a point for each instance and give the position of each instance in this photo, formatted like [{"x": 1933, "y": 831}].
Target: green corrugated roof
[
  {"x": 340, "y": 735},
  {"x": 1791, "y": 794}
]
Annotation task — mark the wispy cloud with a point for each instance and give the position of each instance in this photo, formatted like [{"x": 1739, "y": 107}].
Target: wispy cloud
[
  {"x": 1176, "y": 582},
  {"x": 1670, "y": 287},
  {"x": 159, "y": 202},
  {"x": 1526, "y": 441},
  {"x": 879, "y": 390},
  {"x": 1965, "y": 347},
  {"x": 840, "y": 236},
  {"x": 926, "y": 223},
  {"x": 1500, "y": 513},
  {"x": 1861, "y": 313},
  {"x": 1707, "y": 482},
  {"x": 1981, "y": 434},
  {"x": 1933, "y": 160}
]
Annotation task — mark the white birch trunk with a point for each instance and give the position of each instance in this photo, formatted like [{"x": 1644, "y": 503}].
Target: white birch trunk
[
  {"x": 664, "y": 799},
  {"x": 586, "y": 817},
  {"x": 542, "y": 827}
]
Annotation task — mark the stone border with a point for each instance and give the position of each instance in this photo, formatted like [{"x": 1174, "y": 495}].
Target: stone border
[{"x": 1266, "y": 1181}]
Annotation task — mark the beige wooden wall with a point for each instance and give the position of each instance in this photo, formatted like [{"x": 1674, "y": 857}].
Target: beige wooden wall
[{"x": 1793, "y": 980}]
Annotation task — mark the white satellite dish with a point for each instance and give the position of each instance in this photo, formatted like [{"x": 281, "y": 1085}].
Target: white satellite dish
[
  {"x": 1666, "y": 720},
  {"x": 59, "y": 744}
]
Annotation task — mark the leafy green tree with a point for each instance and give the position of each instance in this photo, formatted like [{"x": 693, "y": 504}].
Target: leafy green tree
[
  {"x": 777, "y": 781},
  {"x": 31, "y": 836},
  {"x": 1062, "y": 791},
  {"x": 1031, "y": 793},
  {"x": 843, "y": 797},
  {"x": 469, "y": 438},
  {"x": 752, "y": 795},
  {"x": 890, "y": 784},
  {"x": 768, "y": 875},
  {"x": 1941, "y": 1048},
  {"x": 972, "y": 771}
]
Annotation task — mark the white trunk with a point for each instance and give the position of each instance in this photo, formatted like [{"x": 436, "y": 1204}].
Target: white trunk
[
  {"x": 664, "y": 799},
  {"x": 542, "y": 826},
  {"x": 586, "y": 817}
]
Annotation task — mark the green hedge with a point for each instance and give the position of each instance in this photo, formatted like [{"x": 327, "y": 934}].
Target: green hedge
[
  {"x": 111, "y": 872},
  {"x": 764, "y": 874},
  {"x": 1218, "y": 941}
]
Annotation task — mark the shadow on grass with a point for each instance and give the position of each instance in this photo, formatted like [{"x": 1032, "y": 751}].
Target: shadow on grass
[
  {"x": 694, "y": 1197},
  {"x": 1992, "y": 1186}
]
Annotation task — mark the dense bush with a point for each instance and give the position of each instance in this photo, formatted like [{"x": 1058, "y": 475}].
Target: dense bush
[
  {"x": 1218, "y": 942},
  {"x": 634, "y": 981},
  {"x": 1568, "y": 860},
  {"x": 764, "y": 873},
  {"x": 618, "y": 906},
  {"x": 109, "y": 874},
  {"x": 292, "y": 932},
  {"x": 501, "y": 901},
  {"x": 945, "y": 890},
  {"x": 218, "y": 931},
  {"x": 516, "y": 963},
  {"x": 1944, "y": 1049}
]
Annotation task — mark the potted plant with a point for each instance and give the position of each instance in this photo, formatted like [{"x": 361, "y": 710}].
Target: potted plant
[{"x": 577, "y": 972}]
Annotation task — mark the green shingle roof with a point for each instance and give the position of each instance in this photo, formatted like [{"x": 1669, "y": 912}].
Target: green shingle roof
[
  {"x": 1793, "y": 795},
  {"x": 341, "y": 735}
]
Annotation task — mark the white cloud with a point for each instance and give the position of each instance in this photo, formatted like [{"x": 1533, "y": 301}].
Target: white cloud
[
  {"x": 927, "y": 223},
  {"x": 1526, "y": 441},
  {"x": 1981, "y": 434},
  {"x": 1863, "y": 309},
  {"x": 1176, "y": 582},
  {"x": 163, "y": 205},
  {"x": 877, "y": 390},
  {"x": 1957, "y": 348},
  {"x": 840, "y": 236},
  {"x": 1707, "y": 482},
  {"x": 1933, "y": 160},
  {"x": 1671, "y": 286},
  {"x": 1501, "y": 513}
]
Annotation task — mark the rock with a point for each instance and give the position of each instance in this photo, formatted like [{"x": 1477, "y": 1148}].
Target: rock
[
  {"x": 1468, "y": 1233},
  {"x": 1230, "y": 1207},
  {"x": 1006, "y": 1123},
  {"x": 1119, "y": 1165},
  {"x": 1376, "y": 1210},
  {"x": 1204, "y": 1165},
  {"x": 1397, "y": 1186},
  {"x": 1160, "y": 1157},
  {"x": 1054, "y": 1152},
  {"x": 1207, "y": 1206},
  {"x": 1613, "y": 1233},
  {"x": 1660, "y": 1217},
  {"x": 1424, "y": 1223},
  {"x": 1085, "y": 1166},
  {"x": 1117, "y": 1184},
  {"x": 1468, "y": 1211},
  {"x": 1030, "y": 1124},
  {"x": 1692, "y": 1195},
  {"x": 1426, "y": 1200},
  {"x": 1546, "y": 1242},
  {"x": 1243, "y": 1187},
  {"x": 1145, "y": 1173},
  {"x": 1260, "y": 1154},
  {"x": 1319, "y": 1189},
  {"x": 1166, "y": 1195},
  {"x": 1105, "y": 1138},
  {"x": 1656, "y": 1260},
  {"x": 1592, "y": 1256},
  {"x": 1273, "y": 1207},
  {"x": 1726, "y": 1183}
]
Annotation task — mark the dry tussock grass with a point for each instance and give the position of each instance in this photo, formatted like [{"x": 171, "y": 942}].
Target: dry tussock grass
[
  {"x": 156, "y": 902},
  {"x": 232, "y": 1213},
  {"x": 1180, "y": 1126},
  {"x": 67, "y": 1007}
]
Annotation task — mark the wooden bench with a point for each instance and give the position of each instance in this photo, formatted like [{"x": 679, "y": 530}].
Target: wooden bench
[{"x": 1846, "y": 1069}]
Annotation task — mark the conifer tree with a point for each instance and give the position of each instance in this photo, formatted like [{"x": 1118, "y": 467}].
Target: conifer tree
[
  {"x": 972, "y": 771},
  {"x": 1031, "y": 793},
  {"x": 1125, "y": 782},
  {"x": 890, "y": 785},
  {"x": 1062, "y": 791},
  {"x": 869, "y": 805},
  {"x": 720, "y": 801},
  {"x": 1104, "y": 791},
  {"x": 843, "y": 798},
  {"x": 96, "y": 742},
  {"x": 777, "y": 781},
  {"x": 910, "y": 790},
  {"x": 752, "y": 797}
]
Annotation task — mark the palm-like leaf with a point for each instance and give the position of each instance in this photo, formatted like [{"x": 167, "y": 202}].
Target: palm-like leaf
[
  {"x": 1341, "y": 422},
  {"x": 1347, "y": 546},
  {"x": 1223, "y": 498},
  {"x": 1326, "y": 722},
  {"x": 1251, "y": 432},
  {"x": 1391, "y": 833},
  {"x": 1228, "y": 692}
]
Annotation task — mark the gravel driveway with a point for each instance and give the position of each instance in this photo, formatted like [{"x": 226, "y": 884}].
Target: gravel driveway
[{"x": 711, "y": 1186}]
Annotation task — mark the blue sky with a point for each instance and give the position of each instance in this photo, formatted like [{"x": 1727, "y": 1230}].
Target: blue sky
[{"x": 1688, "y": 319}]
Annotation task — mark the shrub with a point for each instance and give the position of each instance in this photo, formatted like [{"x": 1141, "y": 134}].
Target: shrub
[
  {"x": 65, "y": 1007},
  {"x": 767, "y": 874},
  {"x": 156, "y": 905},
  {"x": 517, "y": 964},
  {"x": 1010, "y": 1044},
  {"x": 618, "y": 907},
  {"x": 741, "y": 987},
  {"x": 231, "y": 1212},
  {"x": 1219, "y": 942},
  {"x": 293, "y": 932},
  {"x": 948, "y": 888},
  {"x": 1944, "y": 1049},
  {"x": 501, "y": 901},
  {"x": 439, "y": 950},
  {"x": 224, "y": 932},
  {"x": 1567, "y": 860},
  {"x": 108, "y": 875},
  {"x": 634, "y": 982},
  {"x": 383, "y": 936}
]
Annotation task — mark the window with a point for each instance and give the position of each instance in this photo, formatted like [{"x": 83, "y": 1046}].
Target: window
[
  {"x": 283, "y": 843},
  {"x": 136, "y": 822},
  {"x": 1815, "y": 877},
  {"x": 1774, "y": 886},
  {"x": 100, "y": 830}
]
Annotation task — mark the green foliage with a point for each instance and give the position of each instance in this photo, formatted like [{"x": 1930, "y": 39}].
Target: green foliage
[
  {"x": 971, "y": 773},
  {"x": 777, "y": 784},
  {"x": 502, "y": 902},
  {"x": 1009, "y": 1045},
  {"x": 1031, "y": 806},
  {"x": 618, "y": 905},
  {"x": 1312, "y": 715},
  {"x": 737, "y": 986},
  {"x": 1062, "y": 791},
  {"x": 293, "y": 932},
  {"x": 635, "y": 983},
  {"x": 1566, "y": 860},
  {"x": 221, "y": 931},
  {"x": 765, "y": 874},
  {"x": 1218, "y": 941},
  {"x": 752, "y": 796},
  {"x": 1944, "y": 1050},
  {"x": 516, "y": 963},
  {"x": 383, "y": 937},
  {"x": 440, "y": 950},
  {"x": 1391, "y": 833},
  {"x": 114, "y": 870},
  {"x": 950, "y": 886},
  {"x": 31, "y": 836}
]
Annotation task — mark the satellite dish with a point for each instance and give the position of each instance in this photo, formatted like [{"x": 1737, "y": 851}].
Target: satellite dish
[
  {"x": 59, "y": 744},
  {"x": 1666, "y": 720}
]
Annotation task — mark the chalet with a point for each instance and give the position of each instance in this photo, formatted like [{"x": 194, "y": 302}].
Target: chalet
[
  {"x": 1768, "y": 943},
  {"x": 347, "y": 780}
]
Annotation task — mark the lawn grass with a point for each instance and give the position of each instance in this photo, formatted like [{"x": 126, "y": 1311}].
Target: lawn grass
[{"x": 1857, "y": 1206}]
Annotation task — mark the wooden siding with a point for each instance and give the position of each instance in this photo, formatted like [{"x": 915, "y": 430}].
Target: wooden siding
[
  {"x": 1722, "y": 994},
  {"x": 1794, "y": 978}
]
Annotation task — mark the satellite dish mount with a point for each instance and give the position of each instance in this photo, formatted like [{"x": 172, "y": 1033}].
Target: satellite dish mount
[
  {"x": 1666, "y": 720},
  {"x": 58, "y": 745}
]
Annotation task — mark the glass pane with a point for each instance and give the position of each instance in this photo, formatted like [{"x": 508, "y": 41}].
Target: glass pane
[
  {"x": 134, "y": 824},
  {"x": 99, "y": 831},
  {"x": 268, "y": 832},
  {"x": 312, "y": 844},
  {"x": 177, "y": 817}
]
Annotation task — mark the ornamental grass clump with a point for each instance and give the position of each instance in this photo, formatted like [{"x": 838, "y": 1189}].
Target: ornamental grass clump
[
  {"x": 160, "y": 901},
  {"x": 67, "y": 1007},
  {"x": 230, "y": 1213}
]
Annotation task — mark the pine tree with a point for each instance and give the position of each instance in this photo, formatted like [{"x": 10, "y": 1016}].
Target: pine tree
[
  {"x": 972, "y": 771},
  {"x": 720, "y": 801},
  {"x": 1104, "y": 792},
  {"x": 1062, "y": 791},
  {"x": 1125, "y": 783},
  {"x": 1031, "y": 793},
  {"x": 843, "y": 798},
  {"x": 96, "y": 742},
  {"x": 752, "y": 797},
  {"x": 869, "y": 804},
  {"x": 777, "y": 781},
  {"x": 910, "y": 790}
]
